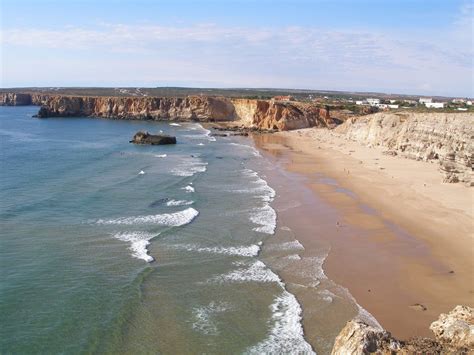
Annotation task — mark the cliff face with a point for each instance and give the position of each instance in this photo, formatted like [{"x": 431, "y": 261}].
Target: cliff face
[
  {"x": 259, "y": 114},
  {"x": 454, "y": 334},
  {"x": 443, "y": 137},
  {"x": 282, "y": 116},
  {"x": 148, "y": 108},
  {"x": 19, "y": 99}
]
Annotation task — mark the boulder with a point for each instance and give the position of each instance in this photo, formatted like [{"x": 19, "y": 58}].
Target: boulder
[
  {"x": 358, "y": 337},
  {"x": 456, "y": 328},
  {"x": 147, "y": 138}
]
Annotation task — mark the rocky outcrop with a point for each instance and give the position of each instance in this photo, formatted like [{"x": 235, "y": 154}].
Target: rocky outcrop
[
  {"x": 13, "y": 99},
  {"x": 456, "y": 328},
  {"x": 152, "y": 139},
  {"x": 22, "y": 99},
  {"x": 454, "y": 333},
  {"x": 280, "y": 115},
  {"x": 443, "y": 137},
  {"x": 196, "y": 108},
  {"x": 255, "y": 114}
]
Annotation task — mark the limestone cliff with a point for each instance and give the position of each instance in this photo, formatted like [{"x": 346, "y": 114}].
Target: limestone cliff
[
  {"x": 454, "y": 334},
  {"x": 443, "y": 137},
  {"x": 198, "y": 108},
  {"x": 258, "y": 114},
  {"x": 22, "y": 99},
  {"x": 279, "y": 115}
]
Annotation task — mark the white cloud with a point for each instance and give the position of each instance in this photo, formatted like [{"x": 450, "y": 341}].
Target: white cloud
[{"x": 239, "y": 56}]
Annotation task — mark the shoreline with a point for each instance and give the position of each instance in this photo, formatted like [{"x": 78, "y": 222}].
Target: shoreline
[{"x": 391, "y": 246}]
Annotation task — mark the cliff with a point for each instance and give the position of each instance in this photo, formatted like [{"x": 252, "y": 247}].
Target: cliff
[
  {"x": 196, "y": 108},
  {"x": 446, "y": 138},
  {"x": 258, "y": 114},
  {"x": 20, "y": 99},
  {"x": 454, "y": 334},
  {"x": 279, "y": 115}
]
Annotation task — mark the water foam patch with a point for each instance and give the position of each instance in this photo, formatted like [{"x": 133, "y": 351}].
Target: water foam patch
[
  {"x": 139, "y": 242},
  {"x": 175, "y": 124},
  {"x": 286, "y": 335},
  {"x": 266, "y": 218},
  {"x": 188, "y": 188},
  {"x": 204, "y": 321},
  {"x": 249, "y": 251},
  {"x": 256, "y": 272},
  {"x": 167, "y": 219},
  {"x": 179, "y": 203},
  {"x": 189, "y": 166}
]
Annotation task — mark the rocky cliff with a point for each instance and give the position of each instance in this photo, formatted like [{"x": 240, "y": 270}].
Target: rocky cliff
[
  {"x": 197, "y": 108},
  {"x": 20, "y": 99},
  {"x": 279, "y": 115},
  {"x": 454, "y": 334},
  {"x": 258, "y": 114},
  {"x": 446, "y": 138}
]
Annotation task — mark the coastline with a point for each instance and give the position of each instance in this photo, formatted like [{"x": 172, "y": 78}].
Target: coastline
[{"x": 387, "y": 230}]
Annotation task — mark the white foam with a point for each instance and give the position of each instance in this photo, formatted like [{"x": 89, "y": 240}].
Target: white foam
[
  {"x": 256, "y": 272},
  {"x": 139, "y": 242},
  {"x": 188, "y": 166},
  {"x": 188, "y": 188},
  {"x": 179, "y": 203},
  {"x": 141, "y": 172},
  {"x": 249, "y": 251},
  {"x": 204, "y": 322},
  {"x": 295, "y": 244},
  {"x": 175, "y": 124},
  {"x": 160, "y": 155},
  {"x": 294, "y": 257},
  {"x": 265, "y": 217},
  {"x": 200, "y": 143},
  {"x": 286, "y": 335},
  {"x": 168, "y": 219},
  {"x": 254, "y": 151}
]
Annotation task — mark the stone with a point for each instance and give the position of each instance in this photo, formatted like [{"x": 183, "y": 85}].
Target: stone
[
  {"x": 456, "y": 328},
  {"x": 147, "y": 138}
]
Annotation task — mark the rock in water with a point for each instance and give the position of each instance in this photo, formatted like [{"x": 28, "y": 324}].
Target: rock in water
[{"x": 147, "y": 138}]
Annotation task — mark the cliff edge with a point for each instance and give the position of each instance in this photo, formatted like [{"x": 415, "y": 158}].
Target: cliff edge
[
  {"x": 446, "y": 138},
  {"x": 454, "y": 334}
]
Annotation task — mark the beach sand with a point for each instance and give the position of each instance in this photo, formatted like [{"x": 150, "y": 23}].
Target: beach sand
[{"x": 398, "y": 239}]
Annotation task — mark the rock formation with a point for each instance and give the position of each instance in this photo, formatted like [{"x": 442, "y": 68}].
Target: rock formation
[
  {"x": 196, "y": 108},
  {"x": 443, "y": 137},
  {"x": 256, "y": 114},
  {"x": 147, "y": 138},
  {"x": 280, "y": 115},
  {"x": 22, "y": 99},
  {"x": 454, "y": 334}
]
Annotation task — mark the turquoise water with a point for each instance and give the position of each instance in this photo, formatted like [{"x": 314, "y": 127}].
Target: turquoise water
[{"x": 108, "y": 247}]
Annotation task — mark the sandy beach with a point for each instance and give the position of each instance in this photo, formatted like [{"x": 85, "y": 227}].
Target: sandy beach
[{"x": 399, "y": 239}]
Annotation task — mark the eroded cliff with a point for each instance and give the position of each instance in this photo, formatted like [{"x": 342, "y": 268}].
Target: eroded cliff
[
  {"x": 446, "y": 138},
  {"x": 279, "y": 115},
  {"x": 258, "y": 114}
]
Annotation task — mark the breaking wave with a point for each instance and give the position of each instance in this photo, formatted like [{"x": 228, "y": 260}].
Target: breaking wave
[{"x": 167, "y": 219}]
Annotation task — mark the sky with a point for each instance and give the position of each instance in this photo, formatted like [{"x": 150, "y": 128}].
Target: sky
[{"x": 392, "y": 46}]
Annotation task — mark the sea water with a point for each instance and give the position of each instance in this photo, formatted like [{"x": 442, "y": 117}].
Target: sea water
[{"x": 112, "y": 247}]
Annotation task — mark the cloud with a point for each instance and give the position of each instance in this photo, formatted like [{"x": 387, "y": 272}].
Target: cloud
[{"x": 290, "y": 56}]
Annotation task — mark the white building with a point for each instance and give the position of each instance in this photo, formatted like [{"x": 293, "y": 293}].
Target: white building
[
  {"x": 373, "y": 102},
  {"x": 359, "y": 102},
  {"x": 393, "y": 106},
  {"x": 462, "y": 109},
  {"x": 425, "y": 100},
  {"x": 469, "y": 103},
  {"x": 459, "y": 101},
  {"x": 434, "y": 104}
]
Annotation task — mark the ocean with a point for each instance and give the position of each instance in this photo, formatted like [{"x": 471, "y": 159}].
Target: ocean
[{"x": 110, "y": 247}]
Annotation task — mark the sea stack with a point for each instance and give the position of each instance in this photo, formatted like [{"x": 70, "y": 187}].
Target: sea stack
[{"x": 152, "y": 139}]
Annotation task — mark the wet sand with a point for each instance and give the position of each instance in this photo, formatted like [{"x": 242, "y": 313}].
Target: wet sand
[{"x": 397, "y": 238}]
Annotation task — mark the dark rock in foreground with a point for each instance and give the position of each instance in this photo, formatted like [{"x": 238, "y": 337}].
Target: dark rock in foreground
[{"x": 147, "y": 138}]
